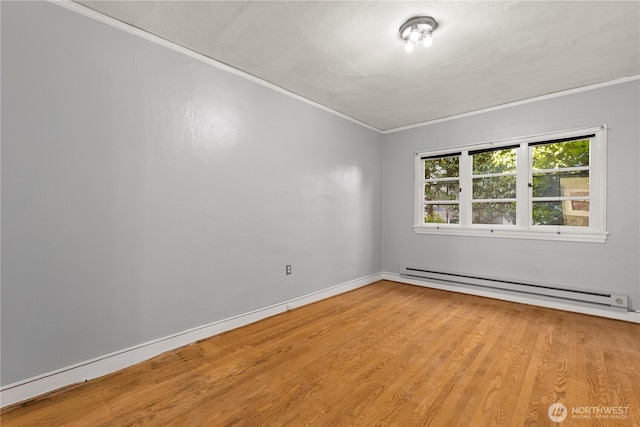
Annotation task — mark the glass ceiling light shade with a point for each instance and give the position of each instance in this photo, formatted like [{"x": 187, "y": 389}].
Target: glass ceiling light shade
[{"x": 418, "y": 29}]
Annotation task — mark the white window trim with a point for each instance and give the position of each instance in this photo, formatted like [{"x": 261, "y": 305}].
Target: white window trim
[{"x": 594, "y": 233}]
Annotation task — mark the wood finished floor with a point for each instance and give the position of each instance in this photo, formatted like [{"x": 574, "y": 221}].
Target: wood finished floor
[{"x": 386, "y": 354}]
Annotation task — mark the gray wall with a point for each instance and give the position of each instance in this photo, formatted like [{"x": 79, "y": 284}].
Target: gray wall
[
  {"x": 612, "y": 265},
  {"x": 145, "y": 193}
]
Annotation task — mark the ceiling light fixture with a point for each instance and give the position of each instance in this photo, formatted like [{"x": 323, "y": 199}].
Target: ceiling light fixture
[{"x": 418, "y": 29}]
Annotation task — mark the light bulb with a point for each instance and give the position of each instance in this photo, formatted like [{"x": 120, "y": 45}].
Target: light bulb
[
  {"x": 428, "y": 40},
  {"x": 409, "y": 46},
  {"x": 414, "y": 35}
]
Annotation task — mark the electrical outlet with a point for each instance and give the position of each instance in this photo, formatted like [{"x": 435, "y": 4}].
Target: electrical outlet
[{"x": 288, "y": 269}]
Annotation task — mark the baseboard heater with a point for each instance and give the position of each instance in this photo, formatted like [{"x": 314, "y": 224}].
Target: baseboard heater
[{"x": 600, "y": 298}]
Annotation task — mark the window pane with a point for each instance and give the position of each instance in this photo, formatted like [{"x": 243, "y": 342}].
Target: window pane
[
  {"x": 445, "y": 167},
  {"x": 498, "y": 161},
  {"x": 494, "y": 213},
  {"x": 561, "y": 155},
  {"x": 565, "y": 212},
  {"x": 447, "y": 190},
  {"x": 441, "y": 214},
  {"x": 562, "y": 184},
  {"x": 496, "y": 187}
]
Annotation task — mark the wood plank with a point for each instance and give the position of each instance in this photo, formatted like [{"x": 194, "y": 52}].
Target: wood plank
[{"x": 385, "y": 354}]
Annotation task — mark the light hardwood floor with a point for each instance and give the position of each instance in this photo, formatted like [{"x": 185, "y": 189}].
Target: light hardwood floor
[{"x": 386, "y": 354}]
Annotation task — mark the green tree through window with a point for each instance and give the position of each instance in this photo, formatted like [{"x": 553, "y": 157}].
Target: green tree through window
[
  {"x": 494, "y": 186},
  {"x": 561, "y": 171},
  {"x": 441, "y": 190}
]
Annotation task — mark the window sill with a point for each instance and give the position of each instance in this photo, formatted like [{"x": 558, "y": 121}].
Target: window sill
[{"x": 554, "y": 233}]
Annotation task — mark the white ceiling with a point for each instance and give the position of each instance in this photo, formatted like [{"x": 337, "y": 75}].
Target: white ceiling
[{"x": 347, "y": 55}]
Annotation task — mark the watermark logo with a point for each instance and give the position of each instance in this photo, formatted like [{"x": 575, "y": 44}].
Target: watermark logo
[
  {"x": 557, "y": 412},
  {"x": 600, "y": 412}
]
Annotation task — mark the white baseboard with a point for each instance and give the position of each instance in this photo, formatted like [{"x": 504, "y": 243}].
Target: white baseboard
[
  {"x": 99, "y": 366},
  {"x": 628, "y": 316}
]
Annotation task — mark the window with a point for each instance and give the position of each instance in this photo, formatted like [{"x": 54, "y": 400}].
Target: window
[
  {"x": 543, "y": 187},
  {"x": 493, "y": 186},
  {"x": 560, "y": 183},
  {"x": 442, "y": 189}
]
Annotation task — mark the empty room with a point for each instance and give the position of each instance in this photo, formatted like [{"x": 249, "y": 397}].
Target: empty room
[{"x": 320, "y": 213}]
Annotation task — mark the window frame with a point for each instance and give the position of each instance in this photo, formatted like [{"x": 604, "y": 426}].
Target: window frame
[
  {"x": 443, "y": 179},
  {"x": 524, "y": 228},
  {"x": 472, "y": 153}
]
